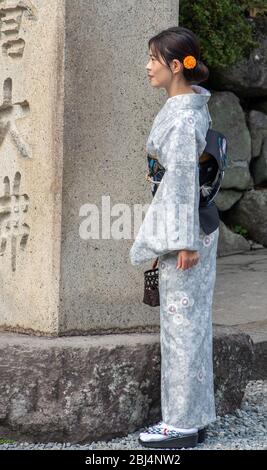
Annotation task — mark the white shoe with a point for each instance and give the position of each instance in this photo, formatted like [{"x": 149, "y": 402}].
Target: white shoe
[{"x": 166, "y": 435}]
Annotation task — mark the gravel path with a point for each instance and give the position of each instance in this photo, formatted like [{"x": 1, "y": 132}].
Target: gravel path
[{"x": 244, "y": 429}]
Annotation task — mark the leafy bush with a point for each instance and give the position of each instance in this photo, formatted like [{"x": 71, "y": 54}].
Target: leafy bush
[
  {"x": 246, "y": 4},
  {"x": 226, "y": 35},
  {"x": 241, "y": 230}
]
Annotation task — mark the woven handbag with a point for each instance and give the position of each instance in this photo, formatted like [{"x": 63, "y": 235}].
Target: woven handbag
[{"x": 151, "y": 291}]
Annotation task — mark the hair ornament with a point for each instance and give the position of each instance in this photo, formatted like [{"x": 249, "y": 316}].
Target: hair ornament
[{"x": 189, "y": 62}]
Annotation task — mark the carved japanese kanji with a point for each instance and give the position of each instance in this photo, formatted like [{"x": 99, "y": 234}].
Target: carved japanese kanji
[
  {"x": 13, "y": 207},
  {"x": 9, "y": 113},
  {"x": 11, "y": 15}
]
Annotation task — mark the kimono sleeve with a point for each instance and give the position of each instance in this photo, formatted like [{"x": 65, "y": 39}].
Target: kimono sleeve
[{"x": 171, "y": 222}]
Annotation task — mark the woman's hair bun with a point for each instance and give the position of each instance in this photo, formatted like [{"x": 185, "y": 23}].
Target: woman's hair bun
[{"x": 177, "y": 43}]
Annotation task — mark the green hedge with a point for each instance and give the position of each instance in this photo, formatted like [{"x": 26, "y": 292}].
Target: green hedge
[{"x": 225, "y": 33}]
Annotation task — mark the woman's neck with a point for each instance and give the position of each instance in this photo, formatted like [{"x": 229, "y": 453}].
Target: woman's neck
[{"x": 181, "y": 90}]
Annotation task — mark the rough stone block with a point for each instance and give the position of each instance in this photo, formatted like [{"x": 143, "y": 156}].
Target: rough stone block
[{"x": 82, "y": 389}]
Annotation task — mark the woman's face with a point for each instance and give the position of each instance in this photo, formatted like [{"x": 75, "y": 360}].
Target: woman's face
[{"x": 159, "y": 74}]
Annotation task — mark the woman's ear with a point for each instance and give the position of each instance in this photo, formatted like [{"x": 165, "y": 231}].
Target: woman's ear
[{"x": 176, "y": 66}]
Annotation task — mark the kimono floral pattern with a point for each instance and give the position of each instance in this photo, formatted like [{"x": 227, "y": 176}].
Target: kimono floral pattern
[
  {"x": 177, "y": 138},
  {"x": 187, "y": 389}
]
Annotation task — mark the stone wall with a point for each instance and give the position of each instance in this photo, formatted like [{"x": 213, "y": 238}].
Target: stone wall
[{"x": 238, "y": 108}]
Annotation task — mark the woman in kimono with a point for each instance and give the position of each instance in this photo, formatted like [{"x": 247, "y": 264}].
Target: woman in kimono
[{"x": 186, "y": 255}]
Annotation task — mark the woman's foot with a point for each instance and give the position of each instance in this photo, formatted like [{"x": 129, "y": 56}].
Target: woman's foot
[{"x": 164, "y": 435}]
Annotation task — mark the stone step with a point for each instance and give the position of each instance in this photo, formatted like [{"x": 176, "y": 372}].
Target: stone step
[
  {"x": 258, "y": 333},
  {"x": 56, "y": 389}
]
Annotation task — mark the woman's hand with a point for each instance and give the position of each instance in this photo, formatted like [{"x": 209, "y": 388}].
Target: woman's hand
[
  {"x": 155, "y": 263},
  {"x": 187, "y": 258}
]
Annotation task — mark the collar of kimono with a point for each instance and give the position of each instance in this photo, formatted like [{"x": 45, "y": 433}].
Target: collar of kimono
[{"x": 190, "y": 100}]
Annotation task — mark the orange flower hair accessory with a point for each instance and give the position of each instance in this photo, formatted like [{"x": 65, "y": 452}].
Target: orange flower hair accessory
[{"x": 189, "y": 62}]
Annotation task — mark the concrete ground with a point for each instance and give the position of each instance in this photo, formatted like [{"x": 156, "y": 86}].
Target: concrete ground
[{"x": 240, "y": 299}]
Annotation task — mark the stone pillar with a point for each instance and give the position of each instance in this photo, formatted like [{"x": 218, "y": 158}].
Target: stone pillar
[
  {"x": 75, "y": 112},
  {"x": 31, "y": 163}
]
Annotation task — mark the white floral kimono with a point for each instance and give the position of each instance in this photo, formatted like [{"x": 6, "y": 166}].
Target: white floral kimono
[{"x": 171, "y": 223}]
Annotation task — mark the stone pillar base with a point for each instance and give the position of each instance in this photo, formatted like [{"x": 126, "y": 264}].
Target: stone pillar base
[{"x": 88, "y": 388}]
